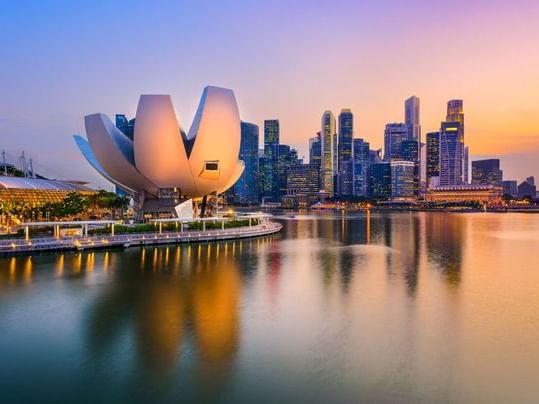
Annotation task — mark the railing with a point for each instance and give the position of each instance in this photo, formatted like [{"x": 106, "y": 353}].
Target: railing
[{"x": 40, "y": 244}]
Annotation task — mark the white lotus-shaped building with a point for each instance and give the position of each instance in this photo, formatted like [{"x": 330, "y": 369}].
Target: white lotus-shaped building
[{"x": 162, "y": 162}]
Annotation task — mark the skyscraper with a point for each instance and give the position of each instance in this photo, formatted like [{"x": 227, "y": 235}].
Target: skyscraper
[
  {"x": 411, "y": 118},
  {"x": 361, "y": 164},
  {"x": 301, "y": 186},
  {"x": 455, "y": 114},
  {"x": 125, "y": 125},
  {"x": 284, "y": 159},
  {"x": 271, "y": 140},
  {"x": 380, "y": 180},
  {"x": 433, "y": 158},
  {"x": 271, "y": 132},
  {"x": 315, "y": 150},
  {"x": 487, "y": 172},
  {"x": 345, "y": 167},
  {"x": 466, "y": 165},
  {"x": 329, "y": 142},
  {"x": 403, "y": 184},
  {"x": 394, "y": 135},
  {"x": 410, "y": 152},
  {"x": 451, "y": 154},
  {"x": 246, "y": 189}
]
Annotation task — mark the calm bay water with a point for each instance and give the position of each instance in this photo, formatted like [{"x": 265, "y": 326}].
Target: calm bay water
[{"x": 405, "y": 307}]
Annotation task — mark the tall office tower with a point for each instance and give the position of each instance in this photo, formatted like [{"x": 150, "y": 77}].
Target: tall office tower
[
  {"x": 411, "y": 118},
  {"x": 530, "y": 180},
  {"x": 328, "y": 138},
  {"x": 361, "y": 163},
  {"x": 433, "y": 159},
  {"x": 455, "y": 112},
  {"x": 487, "y": 172},
  {"x": 403, "y": 183},
  {"x": 410, "y": 153},
  {"x": 465, "y": 166},
  {"x": 271, "y": 132},
  {"x": 301, "y": 186},
  {"x": 380, "y": 180},
  {"x": 246, "y": 189},
  {"x": 451, "y": 154},
  {"x": 394, "y": 135},
  {"x": 315, "y": 150},
  {"x": 271, "y": 139},
  {"x": 126, "y": 126},
  {"x": 422, "y": 168},
  {"x": 315, "y": 154},
  {"x": 345, "y": 174},
  {"x": 285, "y": 158}
]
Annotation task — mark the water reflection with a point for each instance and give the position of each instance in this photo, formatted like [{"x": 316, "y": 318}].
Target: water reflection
[
  {"x": 176, "y": 303},
  {"x": 421, "y": 307},
  {"x": 445, "y": 243}
]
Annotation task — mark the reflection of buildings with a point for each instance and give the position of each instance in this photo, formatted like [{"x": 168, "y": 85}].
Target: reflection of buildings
[
  {"x": 445, "y": 243},
  {"x": 401, "y": 233}
]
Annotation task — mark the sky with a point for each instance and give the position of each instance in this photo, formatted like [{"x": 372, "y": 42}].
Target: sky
[{"x": 290, "y": 60}]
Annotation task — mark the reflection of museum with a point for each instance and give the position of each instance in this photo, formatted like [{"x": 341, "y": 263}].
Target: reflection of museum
[{"x": 178, "y": 296}]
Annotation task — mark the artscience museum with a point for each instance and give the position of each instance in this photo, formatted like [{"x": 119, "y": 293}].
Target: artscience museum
[{"x": 162, "y": 167}]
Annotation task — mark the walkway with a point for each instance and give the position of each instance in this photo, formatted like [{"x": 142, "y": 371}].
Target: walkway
[{"x": 21, "y": 246}]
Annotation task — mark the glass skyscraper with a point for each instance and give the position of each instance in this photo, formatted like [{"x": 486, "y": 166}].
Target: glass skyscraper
[
  {"x": 271, "y": 140},
  {"x": 394, "y": 135},
  {"x": 345, "y": 166},
  {"x": 329, "y": 148},
  {"x": 125, "y": 125},
  {"x": 451, "y": 154},
  {"x": 487, "y": 172},
  {"x": 455, "y": 115},
  {"x": 410, "y": 152},
  {"x": 411, "y": 118},
  {"x": 403, "y": 179},
  {"x": 433, "y": 158},
  {"x": 246, "y": 189},
  {"x": 380, "y": 180},
  {"x": 361, "y": 164}
]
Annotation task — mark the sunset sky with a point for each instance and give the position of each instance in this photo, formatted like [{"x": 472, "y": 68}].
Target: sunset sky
[{"x": 289, "y": 60}]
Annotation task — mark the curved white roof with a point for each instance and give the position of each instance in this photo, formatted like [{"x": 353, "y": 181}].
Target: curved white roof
[{"x": 38, "y": 183}]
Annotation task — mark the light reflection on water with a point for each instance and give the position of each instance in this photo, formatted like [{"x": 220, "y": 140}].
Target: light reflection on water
[{"x": 380, "y": 307}]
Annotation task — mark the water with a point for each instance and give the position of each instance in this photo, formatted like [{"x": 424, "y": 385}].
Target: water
[{"x": 407, "y": 307}]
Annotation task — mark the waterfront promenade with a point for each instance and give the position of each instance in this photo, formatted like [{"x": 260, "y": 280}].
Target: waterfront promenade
[{"x": 22, "y": 246}]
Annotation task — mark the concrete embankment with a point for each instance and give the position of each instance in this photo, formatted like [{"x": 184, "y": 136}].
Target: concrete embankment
[{"x": 20, "y": 246}]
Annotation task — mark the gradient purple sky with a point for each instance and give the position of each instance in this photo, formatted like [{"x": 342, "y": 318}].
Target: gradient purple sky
[{"x": 291, "y": 60}]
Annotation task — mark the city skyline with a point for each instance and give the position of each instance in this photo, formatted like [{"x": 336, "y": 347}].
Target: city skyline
[{"x": 46, "y": 96}]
